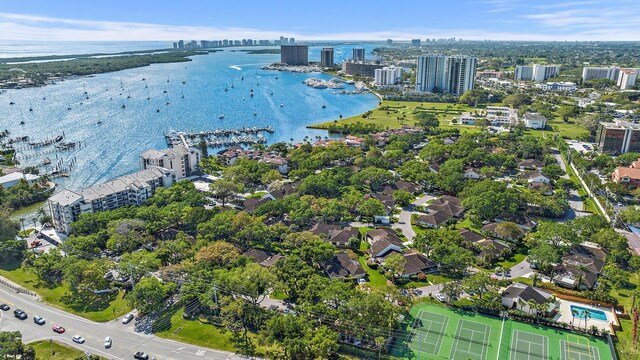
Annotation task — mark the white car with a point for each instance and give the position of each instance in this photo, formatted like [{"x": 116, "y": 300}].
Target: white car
[
  {"x": 127, "y": 318},
  {"x": 440, "y": 297},
  {"x": 362, "y": 281},
  {"x": 78, "y": 339},
  {"x": 107, "y": 342}
]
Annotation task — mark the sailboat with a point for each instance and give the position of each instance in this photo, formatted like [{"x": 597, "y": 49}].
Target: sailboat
[
  {"x": 225, "y": 89},
  {"x": 241, "y": 77},
  {"x": 324, "y": 106},
  {"x": 165, "y": 91},
  {"x": 30, "y": 106},
  {"x": 148, "y": 97},
  {"x": 11, "y": 101},
  {"x": 121, "y": 85},
  {"x": 99, "y": 122},
  {"x": 221, "y": 116},
  {"x": 167, "y": 78},
  {"x": 21, "y": 118},
  {"x": 182, "y": 93},
  {"x": 129, "y": 96},
  {"x": 84, "y": 86},
  {"x": 232, "y": 86},
  {"x": 270, "y": 92}
]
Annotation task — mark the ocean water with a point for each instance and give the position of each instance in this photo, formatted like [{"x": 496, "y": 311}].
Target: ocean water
[{"x": 112, "y": 148}]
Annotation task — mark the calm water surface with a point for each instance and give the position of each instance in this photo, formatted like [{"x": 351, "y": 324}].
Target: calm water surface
[{"x": 112, "y": 148}]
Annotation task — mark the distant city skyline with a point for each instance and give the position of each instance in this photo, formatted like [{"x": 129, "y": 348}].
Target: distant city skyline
[{"x": 142, "y": 20}]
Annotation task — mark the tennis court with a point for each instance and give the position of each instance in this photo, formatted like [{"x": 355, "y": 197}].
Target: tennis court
[
  {"x": 470, "y": 341},
  {"x": 578, "y": 348},
  {"x": 528, "y": 346},
  {"x": 439, "y": 333},
  {"x": 428, "y": 329}
]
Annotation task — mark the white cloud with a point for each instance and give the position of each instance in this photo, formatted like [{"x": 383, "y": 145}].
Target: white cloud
[{"x": 583, "y": 25}]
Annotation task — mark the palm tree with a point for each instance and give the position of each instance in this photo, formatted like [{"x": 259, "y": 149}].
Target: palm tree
[
  {"x": 532, "y": 306},
  {"x": 21, "y": 220},
  {"x": 587, "y": 316}
]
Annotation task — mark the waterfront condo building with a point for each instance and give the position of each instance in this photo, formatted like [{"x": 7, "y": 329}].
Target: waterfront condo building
[
  {"x": 360, "y": 68},
  {"x": 66, "y": 206},
  {"x": 180, "y": 160},
  {"x": 537, "y": 73},
  {"x": 611, "y": 73},
  {"x": 445, "y": 74},
  {"x": 415, "y": 42},
  {"x": 326, "y": 57},
  {"x": 627, "y": 78},
  {"x": 357, "y": 54},
  {"x": 294, "y": 54},
  {"x": 388, "y": 75},
  {"x": 618, "y": 137}
]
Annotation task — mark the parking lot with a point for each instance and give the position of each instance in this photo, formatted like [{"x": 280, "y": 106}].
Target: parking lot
[{"x": 581, "y": 147}]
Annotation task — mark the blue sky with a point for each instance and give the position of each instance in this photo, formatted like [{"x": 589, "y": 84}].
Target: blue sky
[{"x": 319, "y": 20}]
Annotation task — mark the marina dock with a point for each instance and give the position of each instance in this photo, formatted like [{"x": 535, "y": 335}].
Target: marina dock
[{"x": 220, "y": 137}]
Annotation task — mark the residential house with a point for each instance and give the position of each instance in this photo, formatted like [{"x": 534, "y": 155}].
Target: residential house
[
  {"x": 415, "y": 263},
  {"x": 535, "y": 176},
  {"x": 334, "y": 234},
  {"x": 493, "y": 230},
  {"x": 449, "y": 205},
  {"x": 472, "y": 173},
  {"x": 386, "y": 200},
  {"x": 523, "y": 221},
  {"x": 581, "y": 267},
  {"x": 341, "y": 266},
  {"x": 627, "y": 176},
  {"x": 538, "y": 186},
  {"x": 15, "y": 178},
  {"x": 232, "y": 154},
  {"x": 251, "y": 204},
  {"x": 285, "y": 189},
  {"x": 533, "y": 164},
  {"x": 382, "y": 242},
  {"x": 488, "y": 249},
  {"x": 519, "y": 296},
  {"x": 264, "y": 258},
  {"x": 433, "y": 220},
  {"x": 401, "y": 185}
]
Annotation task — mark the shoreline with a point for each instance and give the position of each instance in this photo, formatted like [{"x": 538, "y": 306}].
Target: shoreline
[{"x": 77, "y": 67}]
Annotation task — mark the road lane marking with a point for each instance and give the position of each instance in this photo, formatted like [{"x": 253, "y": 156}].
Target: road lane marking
[{"x": 200, "y": 352}]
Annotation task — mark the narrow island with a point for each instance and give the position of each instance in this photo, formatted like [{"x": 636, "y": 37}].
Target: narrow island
[{"x": 25, "y": 72}]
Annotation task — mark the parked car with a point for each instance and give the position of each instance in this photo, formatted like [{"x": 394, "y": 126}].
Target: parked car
[
  {"x": 59, "y": 329},
  {"x": 140, "y": 355},
  {"x": 440, "y": 297},
  {"x": 20, "y": 314},
  {"x": 35, "y": 243},
  {"x": 78, "y": 339},
  {"x": 362, "y": 281},
  {"x": 127, "y": 318},
  {"x": 107, "y": 342},
  {"x": 4, "y": 307},
  {"x": 38, "y": 320}
]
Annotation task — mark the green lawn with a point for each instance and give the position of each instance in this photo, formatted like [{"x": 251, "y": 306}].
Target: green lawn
[
  {"x": 27, "y": 212},
  {"x": 624, "y": 344},
  {"x": 376, "y": 279},
  {"x": 201, "y": 333},
  {"x": 54, "y": 296},
  {"x": 438, "y": 278},
  {"x": 389, "y": 117},
  {"x": 53, "y": 350}
]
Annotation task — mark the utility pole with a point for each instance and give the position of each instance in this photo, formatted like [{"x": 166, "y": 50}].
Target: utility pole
[{"x": 133, "y": 281}]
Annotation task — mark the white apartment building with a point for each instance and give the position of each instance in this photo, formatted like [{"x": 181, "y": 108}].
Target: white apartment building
[
  {"x": 534, "y": 121},
  {"x": 611, "y": 73},
  {"x": 445, "y": 74},
  {"x": 497, "y": 116},
  {"x": 627, "y": 78},
  {"x": 535, "y": 72},
  {"x": 558, "y": 86},
  {"x": 390, "y": 75},
  {"x": 181, "y": 160},
  {"x": 66, "y": 206}
]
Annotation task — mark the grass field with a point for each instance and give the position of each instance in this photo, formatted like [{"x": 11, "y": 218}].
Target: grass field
[
  {"x": 437, "y": 332},
  {"x": 54, "y": 296},
  {"x": 54, "y": 350},
  {"x": 208, "y": 335},
  {"x": 386, "y": 115}
]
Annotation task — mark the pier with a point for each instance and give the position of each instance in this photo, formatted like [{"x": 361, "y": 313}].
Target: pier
[{"x": 220, "y": 137}]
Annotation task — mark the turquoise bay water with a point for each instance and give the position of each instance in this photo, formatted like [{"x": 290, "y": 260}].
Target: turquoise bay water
[{"x": 112, "y": 148}]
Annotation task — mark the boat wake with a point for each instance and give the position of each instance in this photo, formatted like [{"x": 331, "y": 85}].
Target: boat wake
[{"x": 236, "y": 67}]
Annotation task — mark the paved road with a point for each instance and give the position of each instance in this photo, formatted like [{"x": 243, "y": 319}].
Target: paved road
[
  {"x": 125, "y": 340},
  {"x": 404, "y": 220},
  {"x": 575, "y": 202}
]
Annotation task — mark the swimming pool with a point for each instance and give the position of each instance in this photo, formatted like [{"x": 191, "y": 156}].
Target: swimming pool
[{"x": 594, "y": 314}]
